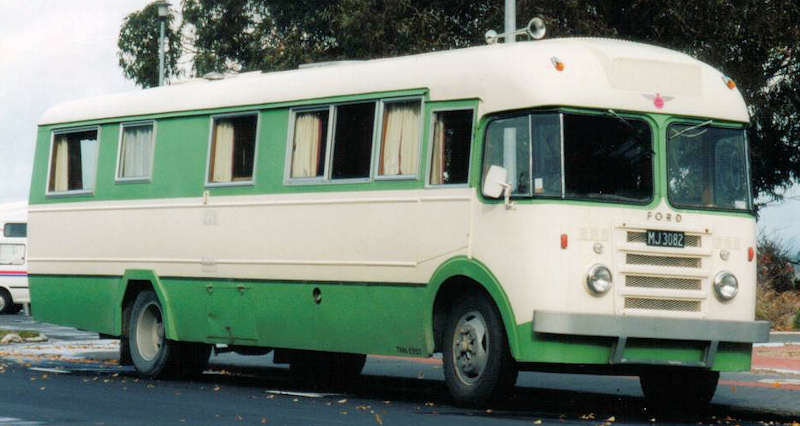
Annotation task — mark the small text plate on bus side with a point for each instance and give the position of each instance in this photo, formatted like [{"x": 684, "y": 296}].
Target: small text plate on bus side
[{"x": 665, "y": 238}]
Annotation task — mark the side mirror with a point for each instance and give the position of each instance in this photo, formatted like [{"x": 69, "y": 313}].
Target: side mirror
[
  {"x": 496, "y": 184},
  {"x": 495, "y": 181}
]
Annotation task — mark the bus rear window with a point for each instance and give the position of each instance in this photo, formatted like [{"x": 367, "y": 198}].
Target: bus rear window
[{"x": 15, "y": 230}]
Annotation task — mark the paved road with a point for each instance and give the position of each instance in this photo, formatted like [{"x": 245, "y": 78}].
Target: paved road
[{"x": 85, "y": 386}]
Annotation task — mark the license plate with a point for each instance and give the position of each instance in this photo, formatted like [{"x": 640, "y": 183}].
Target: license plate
[{"x": 665, "y": 238}]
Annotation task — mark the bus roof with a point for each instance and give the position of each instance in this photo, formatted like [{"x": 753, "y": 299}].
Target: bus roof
[{"x": 597, "y": 73}]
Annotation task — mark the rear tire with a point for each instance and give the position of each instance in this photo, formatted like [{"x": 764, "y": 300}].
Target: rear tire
[
  {"x": 670, "y": 389},
  {"x": 6, "y": 303},
  {"x": 478, "y": 366},
  {"x": 151, "y": 353}
]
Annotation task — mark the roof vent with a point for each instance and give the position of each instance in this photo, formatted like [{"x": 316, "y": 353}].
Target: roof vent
[
  {"x": 327, "y": 64},
  {"x": 213, "y": 76}
]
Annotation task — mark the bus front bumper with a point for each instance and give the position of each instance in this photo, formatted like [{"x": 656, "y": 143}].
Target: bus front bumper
[{"x": 622, "y": 328}]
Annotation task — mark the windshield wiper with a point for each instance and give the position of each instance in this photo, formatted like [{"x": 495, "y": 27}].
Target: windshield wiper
[
  {"x": 637, "y": 134},
  {"x": 621, "y": 118},
  {"x": 676, "y": 133}
]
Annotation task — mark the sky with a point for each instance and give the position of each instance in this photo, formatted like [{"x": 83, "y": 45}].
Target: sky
[
  {"x": 56, "y": 50},
  {"x": 52, "y": 51}
]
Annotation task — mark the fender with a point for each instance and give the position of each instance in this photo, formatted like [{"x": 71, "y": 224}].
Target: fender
[
  {"x": 145, "y": 275},
  {"x": 478, "y": 272}
]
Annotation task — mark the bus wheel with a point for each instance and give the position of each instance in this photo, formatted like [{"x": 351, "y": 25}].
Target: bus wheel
[
  {"x": 152, "y": 354},
  {"x": 6, "y": 304},
  {"x": 682, "y": 389},
  {"x": 477, "y": 363}
]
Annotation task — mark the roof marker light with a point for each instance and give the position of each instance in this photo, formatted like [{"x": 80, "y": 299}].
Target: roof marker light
[
  {"x": 559, "y": 66},
  {"x": 729, "y": 82}
]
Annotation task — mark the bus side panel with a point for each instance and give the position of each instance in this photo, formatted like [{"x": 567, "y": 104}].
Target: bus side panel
[
  {"x": 350, "y": 317},
  {"x": 85, "y": 302}
]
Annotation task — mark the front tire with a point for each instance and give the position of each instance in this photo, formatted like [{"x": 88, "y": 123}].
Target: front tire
[
  {"x": 478, "y": 366},
  {"x": 151, "y": 353},
  {"x": 681, "y": 389}
]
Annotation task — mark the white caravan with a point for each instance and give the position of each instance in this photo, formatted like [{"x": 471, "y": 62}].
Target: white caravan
[{"x": 13, "y": 263}]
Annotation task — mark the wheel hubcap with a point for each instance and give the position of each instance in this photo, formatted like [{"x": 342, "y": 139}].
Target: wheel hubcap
[
  {"x": 149, "y": 332},
  {"x": 470, "y": 347}
]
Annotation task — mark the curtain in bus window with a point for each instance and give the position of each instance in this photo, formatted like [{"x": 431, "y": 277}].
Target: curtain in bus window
[
  {"x": 12, "y": 254},
  {"x": 88, "y": 162},
  {"x": 137, "y": 142},
  {"x": 222, "y": 164},
  {"x": 60, "y": 175},
  {"x": 437, "y": 160},
  {"x": 400, "y": 139},
  {"x": 308, "y": 146},
  {"x": 451, "y": 147}
]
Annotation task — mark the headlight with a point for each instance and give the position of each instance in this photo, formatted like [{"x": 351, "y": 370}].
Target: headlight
[
  {"x": 726, "y": 286},
  {"x": 599, "y": 279}
]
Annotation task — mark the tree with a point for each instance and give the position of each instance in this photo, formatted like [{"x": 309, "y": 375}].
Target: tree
[
  {"x": 756, "y": 42},
  {"x": 138, "y": 47}
]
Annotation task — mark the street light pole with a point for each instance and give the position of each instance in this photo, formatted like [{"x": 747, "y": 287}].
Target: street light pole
[
  {"x": 511, "y": 21},
  {"x": 163, "y": 13}
]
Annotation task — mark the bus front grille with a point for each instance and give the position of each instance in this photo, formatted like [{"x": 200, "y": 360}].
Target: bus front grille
[
  {"x": 639, "y": 281},
  {"x": 669, "y": 261},
  {"x": 659, "y": 280},
  {"x": 652, "y": 304}
]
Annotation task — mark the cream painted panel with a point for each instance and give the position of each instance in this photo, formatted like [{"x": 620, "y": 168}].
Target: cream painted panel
[
  {"x": 521, "y": 247},
  {"x": 400, "y": 236}
]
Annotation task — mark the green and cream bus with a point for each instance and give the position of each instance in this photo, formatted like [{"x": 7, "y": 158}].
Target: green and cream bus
[{"x": 568, "y": 205}]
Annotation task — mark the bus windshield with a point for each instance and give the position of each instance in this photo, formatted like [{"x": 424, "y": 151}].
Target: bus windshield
[
  {"x": 707, "y": 167},
  {"x": 573, "y": 156}
]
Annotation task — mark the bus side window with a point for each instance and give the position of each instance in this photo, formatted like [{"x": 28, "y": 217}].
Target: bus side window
[
  {"x": 508, "y": 146},
  {"x": 452, "y": 134},
  {"x": 135, "y": 151},
  {"x": 233, "y": 147},
  {"x": 352, "y": 141},
  {"x": 73, "y": 161}
]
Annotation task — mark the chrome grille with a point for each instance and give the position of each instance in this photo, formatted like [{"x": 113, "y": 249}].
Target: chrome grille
[
  {"x": 641, "y": 237},
  {"x": 680, "y": 262},
  {"x": 661, "y": 282},
  {"x": 662, "y": 304}
]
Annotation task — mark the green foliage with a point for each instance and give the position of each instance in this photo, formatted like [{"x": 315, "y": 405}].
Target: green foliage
[
  {"x": 775, "y": 271},
  {"x": 138, "y": 47},
  {"x": 753, "y": 41},
  {"x": 796, "y": 322}
]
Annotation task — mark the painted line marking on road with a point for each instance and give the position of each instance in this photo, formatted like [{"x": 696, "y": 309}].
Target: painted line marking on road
[
  {"x": 50, "y": 370},
  {"x": 16, "y": 421},
  {"x": 760, "y": 385},
  {"x": 303, "y": 394},
  {"x": 781, "y": 381}
]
